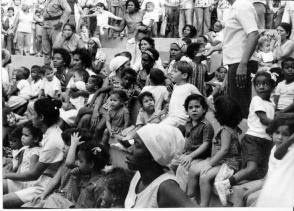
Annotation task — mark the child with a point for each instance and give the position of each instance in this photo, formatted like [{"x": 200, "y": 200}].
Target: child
[
  {"x": 148, "y": 113},
  {"x": 182, "y": 89},
  {"x": 37, "y": 74},
  {"x": 78, "y": 83},
  {"x": 102, "y": 18},
  {"x": 276, "y": 190},
  {"x": 9, "y": 22},
  {"x": 116, "y": 188},
  {"x": 264, "y": 54},
  {"x": 117, "y": 117},
  {"x": 85, "y": 36},
  {"x": 20, "y": 91},
  {"x": 256, "y": 143},
  {"x": 50, "y": 84},
  {"x": 150, "y": 18},
  {"x": 31, "y": 138},
  {"x": 38, "y": 31},
  {"x": 226, "y": 151},
  {"x": 218, "y": 83},
  {"x": 284, "y": 93},
  {"x": 94, "y": 83},
  {"x": 199, "y": 134},
  {"x": 157, "y": 88}
]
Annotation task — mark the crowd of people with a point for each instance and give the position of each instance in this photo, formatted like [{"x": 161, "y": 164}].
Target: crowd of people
[{"x": 63, "y": 121}]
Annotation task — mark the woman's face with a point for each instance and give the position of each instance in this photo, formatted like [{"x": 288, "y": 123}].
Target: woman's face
[
  {"x": 131, "y": 7},
  {"x": 144, "y": 45},
  {"x": 58, "y": 60},
  {"x": 139, "y": 157},
  {"x": 147, "y": 62},
  {"x": 187, "y": 32},
  {"x": 67, "y": 31},
  {"x": 282, "y": 33},
  {"x": 36, "y": 119},
  {"x": 174, "y": 52},
  {"x": 76, "y": 60}
]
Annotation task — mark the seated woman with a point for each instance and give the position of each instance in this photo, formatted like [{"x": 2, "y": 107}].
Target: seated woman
[
  {"x": 98, "y": 57},
  {"x": 68, "y": 39},
  {"x": 153, "y": 185}
]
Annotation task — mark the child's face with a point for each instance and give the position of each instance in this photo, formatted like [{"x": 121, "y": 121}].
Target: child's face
[
  {"x": 115, "y": 101},
  {"x": 84, "y": 29},
  {"x": 17, "y": 2},
  {"x": 14, "y": 143},
  {"x": 144, "y": 45},
  {"x": 263, "y": 87},
  {"x": 90, "y": 85},
  {"x": 10, "y": 13},
  {"x": 27, "y": 138},
  {"x": 148, "y": 103},
  {"x": 77, "y": 77},
  {"x": 84, "y": 166},
  {"x": 126, "y": 80},
  {"x": 25, "y": 7},
  {"x": 288, "y": 71},
  {"x": 195, "y": 110},
  {"x": 34, "y": 74},
  {"x": 38, "y": 14},
  {"x": 178, "y": 76},
  {"x": 149, "y": 7},
  {"x": 49, "y": 75},
  {"x": 100, "y": 9},
  {"x": 221, "y": 74},
  {"x": 265, "y": 47},
  {"x": 217, "y": 27},
  {"x": 175, "y": 52},
  {"x": 281, "y": 134}
]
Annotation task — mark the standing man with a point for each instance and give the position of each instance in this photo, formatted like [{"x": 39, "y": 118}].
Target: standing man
[
  {"x": 240, "y": 40},
  {"x": 56, "y": 14}
]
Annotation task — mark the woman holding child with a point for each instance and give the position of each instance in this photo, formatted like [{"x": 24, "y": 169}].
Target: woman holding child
[{"x": 45, "y": 117}]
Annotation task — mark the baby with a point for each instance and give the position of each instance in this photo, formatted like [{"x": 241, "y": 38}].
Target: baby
[{"x": 264, "y": 54}]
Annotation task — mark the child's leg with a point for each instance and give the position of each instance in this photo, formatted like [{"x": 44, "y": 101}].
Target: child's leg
[
  {"x": 205, "y": 185},
  {"x": 194, "y": 173}
]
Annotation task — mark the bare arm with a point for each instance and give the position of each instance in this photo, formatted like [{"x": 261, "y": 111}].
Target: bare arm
[
  {"x": 263, "y": 118},
  {"x": 120, "y": 28},
  {"x": 33, "y": 161},
  {"x": 282, "y": 150}
]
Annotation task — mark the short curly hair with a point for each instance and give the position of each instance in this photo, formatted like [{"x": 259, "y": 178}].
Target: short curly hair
[
  {"x": 193, "y": 30},
  {"x": 277, "y": 122},
  {"x": 227, "y": 111},
  {"x": 136, "y": 3},
  {"x": 197, "y": 97},
  {"x": 85, "y": 56},
  {"x": 65, "y": 55}
]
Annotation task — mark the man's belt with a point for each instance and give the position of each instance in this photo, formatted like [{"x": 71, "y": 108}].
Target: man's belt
[{"x": 52, "y": 18}]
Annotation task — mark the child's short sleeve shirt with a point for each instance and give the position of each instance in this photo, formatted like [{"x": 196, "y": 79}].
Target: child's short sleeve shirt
[
  {"x": 24, "y": 89},
  {"x": 286, "y": 93}
]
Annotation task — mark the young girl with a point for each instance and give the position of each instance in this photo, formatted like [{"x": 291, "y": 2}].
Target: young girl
[
  {"x": 264, "y": 53},
  {"x": 31, "y": 138},
  {"x": 256, "y": 143},
  {"x": 276, "y": 191},
  {"x": 148, "y": 113},
  {"x": 116, "y": 188},
  {"x": 51, "y": 85},
  {"x": 157, "y": 88},
  {"x": 198, "y": 133},
  {"x": 226, "y": 150},
  {"x": 102, "y": 18},
  {"x": 20, "y": 92},
  {"x": 85, "y": 36},
  {"x": 284, "y": 93},
  {"x": 117, "y": 117}
]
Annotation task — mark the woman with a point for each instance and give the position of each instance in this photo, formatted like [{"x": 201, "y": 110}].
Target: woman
[
  {"x": 284, "y": 46},
  {"x": 202, "y": 15},
  {"x": 68, "y": 39},
  {"x": 132, "y": 20},
  {"x": 45, "y": 117},
  {"x": 189, "y": 31},
  {"x": 144, "y": 44},
  {"x": 61, "y": 61},
  {"x": 149, "y": 58},
  {"x": 81, "y": 59},
  {"x": 97, "y": 55},
  {"x": 153, "y": 186}
]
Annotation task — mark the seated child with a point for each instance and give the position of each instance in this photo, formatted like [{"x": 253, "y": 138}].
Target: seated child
[
  {"x": 117, "y": 117},
  {"x": 199, "y": 134},
  {"x": 157, "y": 88},
  {"x": 264, "y": 53},
  {"x": 19, "y": 93},
  {"x": 284, "y": 93},
  {"x": 226, "y": 150},
  {"x": 148, "y": 113},
  {"x": 77, "y": 83},
  {"x": 151, "y": 17},
  {"x": 28, "y": 157},
  {"x": 116, "y": 187},
  {"x": 256, "y": 143},
  {"x": 50, "y": 84},
  {"x": 218, "y": 83},
  {"x": 180, "y": 75}
]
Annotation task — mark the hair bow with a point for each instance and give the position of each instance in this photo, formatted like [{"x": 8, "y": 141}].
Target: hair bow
[
  {"x": 274, "y": 76},
  {"x": 96, "y": 150}
]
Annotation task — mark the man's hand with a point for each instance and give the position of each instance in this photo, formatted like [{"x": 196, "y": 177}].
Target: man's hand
[{"x": 241, "y": 75}]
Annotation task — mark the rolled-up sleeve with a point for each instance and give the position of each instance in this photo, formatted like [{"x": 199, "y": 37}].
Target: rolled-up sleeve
[{"x": 247, "y": 18}]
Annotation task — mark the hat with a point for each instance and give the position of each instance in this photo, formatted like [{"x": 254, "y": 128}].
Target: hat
[
  {"x": 117, "y": 62},
  {"x": 164, "y": 142}
]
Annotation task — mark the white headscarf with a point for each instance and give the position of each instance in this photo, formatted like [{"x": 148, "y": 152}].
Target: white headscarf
[
  {"x": 116, "y": 63},
  {"x": 163, "y": 141}
]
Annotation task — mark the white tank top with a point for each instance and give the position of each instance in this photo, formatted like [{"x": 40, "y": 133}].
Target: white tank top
[{"x": 148, "y": 197}]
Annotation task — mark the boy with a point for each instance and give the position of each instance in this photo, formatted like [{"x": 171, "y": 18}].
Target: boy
[{"x": 180, "y": 74}]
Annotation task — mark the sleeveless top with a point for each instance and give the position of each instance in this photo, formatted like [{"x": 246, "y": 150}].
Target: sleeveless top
[{"x": 148, "y": 197}]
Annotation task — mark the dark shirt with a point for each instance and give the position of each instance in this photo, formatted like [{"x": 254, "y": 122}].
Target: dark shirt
[{"x": 196, "y": 135}]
